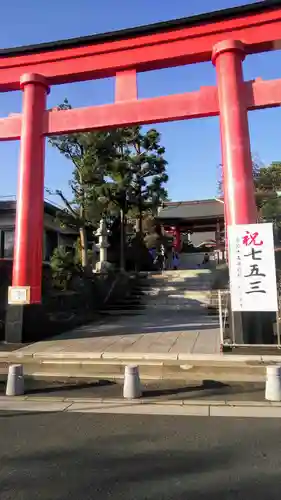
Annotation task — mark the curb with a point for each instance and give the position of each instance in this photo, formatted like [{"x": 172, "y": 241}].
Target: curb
[
  {"x": 145, "y": 356},
  {"x": 215, "y": 408},
  {"x": 153, "y": 366}
]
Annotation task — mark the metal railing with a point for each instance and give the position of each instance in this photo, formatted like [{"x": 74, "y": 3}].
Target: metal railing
[{"x": 228, "y": 333}]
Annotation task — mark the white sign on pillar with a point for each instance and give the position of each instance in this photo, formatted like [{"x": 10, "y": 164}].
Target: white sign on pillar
[{"x": 252, "y": 267}]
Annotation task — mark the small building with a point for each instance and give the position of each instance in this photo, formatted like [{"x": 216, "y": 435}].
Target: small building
[
  {"x": 195, "y": 222},
  {"x": 54, "y": 235},
  {"x": 195, "y": 227}
]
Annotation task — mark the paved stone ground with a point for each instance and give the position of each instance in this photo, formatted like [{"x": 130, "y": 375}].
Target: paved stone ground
[
  {"x": 166, "y": 332},
  {"x": 63, "y": 456},
  {"x": 208, "y": 390}
]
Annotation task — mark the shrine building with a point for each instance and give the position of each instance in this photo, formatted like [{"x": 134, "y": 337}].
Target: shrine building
[{"x": 197, "y": 223}]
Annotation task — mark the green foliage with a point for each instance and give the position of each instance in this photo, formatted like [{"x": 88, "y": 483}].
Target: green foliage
[
  {"x": 268, "y": 179},
  {"x": 89, "y": 152},
  {"x": 64, "y": 265},
  {"x": 268, "y": 184},
  {"x": 121, "y": 168},
  {"x": 116, "y": 172},
  {"x": 138, "y": 255},
  {"x": 137, "y": 171},
  {"x": 271, "y": 209}
]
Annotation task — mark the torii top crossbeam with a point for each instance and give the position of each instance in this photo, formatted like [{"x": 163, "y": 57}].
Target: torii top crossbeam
[
  {"x": 161, "y": 45},
  {"x": 124, "y": 53},
  {"x": 225, "y": 37}
]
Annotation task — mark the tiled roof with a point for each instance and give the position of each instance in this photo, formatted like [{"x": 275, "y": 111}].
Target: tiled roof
[
  {"x": 10, "y": 205},
  {"x": 192, "y": 210}
]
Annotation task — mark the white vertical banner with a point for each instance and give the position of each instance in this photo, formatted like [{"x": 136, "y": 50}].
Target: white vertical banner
[{"x": 252, "y": 267}]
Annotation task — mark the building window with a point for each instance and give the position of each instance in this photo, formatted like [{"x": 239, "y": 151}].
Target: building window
[{"x": 9, "y": 238}]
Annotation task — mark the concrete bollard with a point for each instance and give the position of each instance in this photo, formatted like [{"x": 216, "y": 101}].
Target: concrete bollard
[
  {"x": 15, "y": 381},
  {"x": 132, "y": 385},
  {"x": 273, "y": 383}
]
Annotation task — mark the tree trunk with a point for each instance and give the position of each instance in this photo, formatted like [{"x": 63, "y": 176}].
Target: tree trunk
[
  {"x": 82, "y": 230},
  {"x": 84, "y": 247},
  {"x": 83, "y": 236},
  {"x": 122, "y": 240},
  {"x": 139, "y": 219}
]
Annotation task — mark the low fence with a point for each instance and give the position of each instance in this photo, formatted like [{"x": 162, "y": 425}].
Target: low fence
[{"x": 247, "y": 329}]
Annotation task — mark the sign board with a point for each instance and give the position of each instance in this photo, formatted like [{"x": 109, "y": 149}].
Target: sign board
[
  {"x": 19, "y": 295},
  {"x": 252, "y": 267}
]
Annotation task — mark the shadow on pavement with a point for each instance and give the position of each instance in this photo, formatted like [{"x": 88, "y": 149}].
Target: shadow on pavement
[
  {"x": 135, "y": 458},
  {"x": 162, "y": 390}
]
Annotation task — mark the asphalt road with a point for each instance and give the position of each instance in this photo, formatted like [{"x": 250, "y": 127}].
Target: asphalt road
[{"x": 96, "y": 457}]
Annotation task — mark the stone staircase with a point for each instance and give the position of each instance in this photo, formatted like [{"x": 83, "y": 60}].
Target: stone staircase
[
  {"x": 183, "y": 290},
  {"x": 188, "y": 290},
  {"x": 131, "y": 303}
]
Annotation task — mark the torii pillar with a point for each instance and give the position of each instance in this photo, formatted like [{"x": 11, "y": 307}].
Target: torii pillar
[
  {"x": 238, "y": 184},
  {"x": 239, "y": 195},
  {"x": 27, "y": 267},
  {"x": 28, "y": 250}
]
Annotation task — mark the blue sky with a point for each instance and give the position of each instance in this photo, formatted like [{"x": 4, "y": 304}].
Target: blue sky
[{"x": 193, "y": 147}]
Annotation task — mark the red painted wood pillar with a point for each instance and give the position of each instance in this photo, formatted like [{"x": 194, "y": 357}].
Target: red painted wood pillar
[
  {"x": 28, "y": 252},
  {"x": 239, "y": 198},
  {"x": 126, "y": 88},
  {"x": 177, "y": 236}
]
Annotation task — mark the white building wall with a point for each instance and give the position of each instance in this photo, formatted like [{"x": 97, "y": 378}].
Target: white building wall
[{"x": 197, "y": 238}]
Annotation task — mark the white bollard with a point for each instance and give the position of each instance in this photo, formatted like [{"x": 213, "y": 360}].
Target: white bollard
[
  {"x": 273, "y": 383},
  {"x": 15, "y": 381},
  {"x": 132, "y": 385}
]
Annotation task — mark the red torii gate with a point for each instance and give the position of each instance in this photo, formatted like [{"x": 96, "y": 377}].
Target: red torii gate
[{"x": 225, "y": 37}]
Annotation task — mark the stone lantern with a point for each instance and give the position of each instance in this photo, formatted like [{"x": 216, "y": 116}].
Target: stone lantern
[{"x": 102, "y": 233}]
